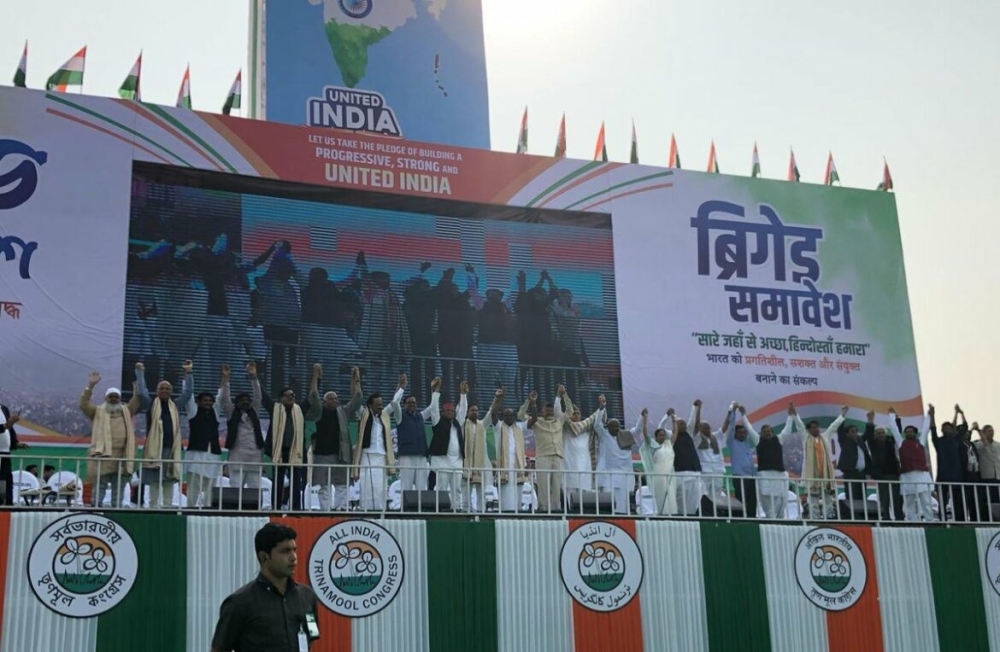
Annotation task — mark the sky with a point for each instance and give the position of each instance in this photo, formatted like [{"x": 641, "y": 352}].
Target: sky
[{"x": 913, "y": 81}]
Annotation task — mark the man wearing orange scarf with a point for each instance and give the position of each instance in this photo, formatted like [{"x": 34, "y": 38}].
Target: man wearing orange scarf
[{"x": 817, "y": 467}]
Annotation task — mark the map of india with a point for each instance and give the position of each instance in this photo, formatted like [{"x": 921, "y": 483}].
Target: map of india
[{"x": 353, "y": 26}]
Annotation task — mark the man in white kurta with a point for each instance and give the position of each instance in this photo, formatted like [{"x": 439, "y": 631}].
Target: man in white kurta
[
  {"x": 579, "y": 475},
  {"x": 508, "y": 436},
  {"x": 713, "y": 465},
  {"x": 617, "y": 478},
  {"x": 915, "y": 479},
  {"x": 817, "y": 466}
]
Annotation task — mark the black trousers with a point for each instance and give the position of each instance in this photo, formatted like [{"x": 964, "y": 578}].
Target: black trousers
[
  {"x": 297, "y": 483},
  {"x": 854, "y": 489},
  {"x": 7, "y": 476},
  {"x": 746, "y": 493},
  {"x": 890, "y": 499}
]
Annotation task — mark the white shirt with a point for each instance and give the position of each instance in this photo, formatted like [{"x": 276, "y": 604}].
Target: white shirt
[
  {"x": 5, "y": 440},
  {"x": 453, "y": 441},
  {"x": 377, "y": 444}
]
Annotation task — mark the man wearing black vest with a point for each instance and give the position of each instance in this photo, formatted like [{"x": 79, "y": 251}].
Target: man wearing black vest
[
  {"x": 854, "y": 463},
  {"x": 687, "y": 465},
  {"x": 330, "y": 454},
  {"x": 244, "y": 437},
  {"x": 447, "y": 450},
  {"x": 971, "y": 499},
  {"x": 411, "y": 435},
  {"x": 374, "y": 454},
  {"x": 203, "y": 450},
  {"x": 772, "y": 479},
  {"x": 884, "y": 468},
  {"x": 8, "y": 443}
]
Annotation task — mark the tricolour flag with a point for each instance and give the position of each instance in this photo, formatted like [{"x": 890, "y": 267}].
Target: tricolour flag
[
  {"x": 755, "y": 168},
  {"x": 21, "y": 75},
  {"x": 235, "y": 98},
  {"x": 886, "y": 184},
  {"x": 600, "y": 149},
  {"x": 634, "y": 155},
  {"x": 184, "y": 94},
  {"x": 561, "y": 139},
  {"x": 831, "y": 171},
  {"x": 713, "y": 162},
  {"x": 522, "y": 136},
  {"x": 674, "y": 160},
  {"x": 793, "y": 168},
  {"x": 130, "y": 87},
  {"x": 70, "y": 74},
  {"x": 846, "y": 587}
]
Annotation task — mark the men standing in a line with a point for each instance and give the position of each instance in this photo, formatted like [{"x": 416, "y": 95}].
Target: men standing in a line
[
  {"x": 112, "y": 435},
  {"x": 884, "y": 468},
  {"x": 949, "y": 464},
  {"x": 855, "y": 464},
  {"x": 411, "y": 435},
  {"x": 817, "y": 466},
  {"x": 244, "y": 435},
  {"x": 772, "y": 479},
  {"x": 741, "y": 442},
  {"x": 447, "y": 450},
  {"x": 8, "y": 443},
  {"x": 914, "y": 476},
  {"x": 286, "y": 444},
  {"x": 373, "y": 454},
  {"x": 203, "y": 450},
  {"x": 508, "y": 435},
  {"x": 162, "y": 453},
  {"x": 548, "y": 430},
  {"x": 616, "y": 451},
  {"x": 478, "y": 467},
  {"x": 330, "y": 452}
]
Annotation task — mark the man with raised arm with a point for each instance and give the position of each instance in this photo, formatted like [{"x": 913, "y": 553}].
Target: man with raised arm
[
  {"x": 548, "y": 429},
  {"x": 285, "y": 443},
  {"x": 741, "y": 442},
  {"x": 884, "y": 468},
  {"x": 447, "y": 450},
  {"x": 411, "y": 435},
  {"x": 201, "y": 459},
  {"x": 616, "y": 451},
  {"x": 973, "y": 502},
  {"x": 949, "y": 464},
  {"x": 915, "y": 476},
  {"x": 112, "y": 436},
  {"x": 244, "y": 436},
  {"x": 710, "y": 454},
  {"x": 687, "y": 464},
  {"x": 8, "y": 443},
  {"x": 478, "y": 472},
  {"x": 329, "y": 453},
  {"x": 163, "y": 438},
  {"x": 772, "y": 479},
  {"x": 508, "y": 435},
  {"x": 989, "y": 459},
  {"x": 854, "y": 463},
  {"x": 817, "y": 467},
  {"x": 579, "y": 475},
  {"x": 657, "y": 454},
  {"x": 374, "y": 454}
]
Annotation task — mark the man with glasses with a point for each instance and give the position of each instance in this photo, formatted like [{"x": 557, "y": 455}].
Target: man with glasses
[{"x": 285, "y": 444}]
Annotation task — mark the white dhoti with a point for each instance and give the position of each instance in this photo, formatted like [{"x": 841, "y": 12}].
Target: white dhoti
[
  {"x": 916, "y": 489},
  {"x": 372, "y": 482},
  {"x": 714, "y": 479},
  {"x": 510, "y": 494},
  {"x": 448, "y": 477},
  {"x": 773, "y": 489},
  {"x": 689, "y": 492},
  {"x": 619, "y": 481}
]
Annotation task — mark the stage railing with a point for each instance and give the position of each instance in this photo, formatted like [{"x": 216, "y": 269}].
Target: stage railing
[{"x": 208, "y": 485}]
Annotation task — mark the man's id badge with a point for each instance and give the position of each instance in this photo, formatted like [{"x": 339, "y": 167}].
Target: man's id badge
[
  {"x": 312, "y": 629},
  {"x": 303, "y": 642}
]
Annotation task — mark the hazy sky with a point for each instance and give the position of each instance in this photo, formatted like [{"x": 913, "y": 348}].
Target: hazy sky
[{"x": 912, "y": 80}]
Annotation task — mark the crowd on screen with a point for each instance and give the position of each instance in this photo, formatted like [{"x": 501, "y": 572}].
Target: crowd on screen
[{"x": 576, "y": 459}]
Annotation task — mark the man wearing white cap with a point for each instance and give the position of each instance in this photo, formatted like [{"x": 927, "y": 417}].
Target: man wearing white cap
[{"x": 112, "y": 436}]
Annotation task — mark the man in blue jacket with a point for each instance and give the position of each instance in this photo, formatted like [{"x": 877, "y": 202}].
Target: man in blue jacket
[{"x": 411, "y": 434}]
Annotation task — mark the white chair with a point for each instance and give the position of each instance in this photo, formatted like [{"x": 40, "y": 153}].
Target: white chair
[
  {"x": 793, "y": 510},
  {"x": 126, "y": 499},
  {"x": 645, "y": 500},
  {"x": 354, "y": 496},
  {"x": 529, "y": 499},
  {"x": 492, "y": 498},
  {"x": 266, "y": 486},
  {"x": 222, "y": 481},
  {"x": 396, "y": 496},
  {"x": 312, "y": 493},
  {"x": 67, "y": 486},
  {"x": 25, "y": 481}
]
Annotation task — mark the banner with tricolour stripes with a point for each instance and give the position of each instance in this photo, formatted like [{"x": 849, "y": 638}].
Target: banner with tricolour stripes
[{"x": 87, "y": 581}]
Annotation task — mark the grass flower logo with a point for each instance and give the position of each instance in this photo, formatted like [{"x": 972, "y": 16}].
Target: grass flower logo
[
  {"x": 830, "y": 568},
  {"x": 601, "y": 566}
]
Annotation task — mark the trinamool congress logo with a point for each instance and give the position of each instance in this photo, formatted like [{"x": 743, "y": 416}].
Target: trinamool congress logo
[
  {"x": 601, "y": 566},
  {"x": 82, "y": 565},
  {"x": 356, "y": 568},
  {"x": 830, "y": 569},
  {"x": 992, "y": 561},
  {"x": 19, "y": 184}
]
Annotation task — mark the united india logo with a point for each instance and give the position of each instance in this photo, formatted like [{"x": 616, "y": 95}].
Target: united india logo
[
  {"x": 82, "y": 565},
  {"x": 992, "y": 562},
  {"x": 830, "y": 569},
  {"x": 601, "y": 566},
  {"x": 356, "y": 568}
]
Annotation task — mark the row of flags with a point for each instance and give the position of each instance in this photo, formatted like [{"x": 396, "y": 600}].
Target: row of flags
[
  {"x": 674, "y": 159},
  {"x": 70, "y": 75}
]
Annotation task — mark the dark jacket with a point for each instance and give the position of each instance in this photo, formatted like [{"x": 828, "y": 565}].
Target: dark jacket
[
  {"x": 322, "y": 442},
  {"x": 850, "y": 448},
  {"x": 884, "y": 459},
  {"x": 442, "y": 435},
  {"x": 13, "y": 433},
  {"x": 949, "y": 465}
]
